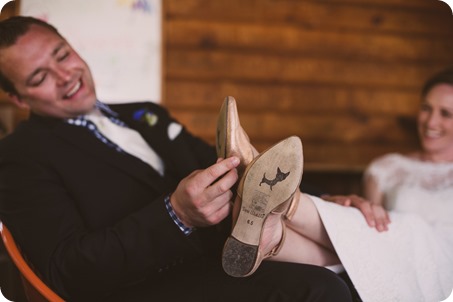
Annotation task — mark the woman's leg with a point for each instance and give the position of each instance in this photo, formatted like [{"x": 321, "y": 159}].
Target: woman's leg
[
  {"x": 299, "y": 249},
  {"x": 306, "y": 238},
  {"x": 307, "y": 222}
]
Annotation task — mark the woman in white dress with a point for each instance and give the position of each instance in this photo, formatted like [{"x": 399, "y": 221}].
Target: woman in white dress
[
  {"x": 403, "y": 249},
  {"x": 408, "y": 256}
]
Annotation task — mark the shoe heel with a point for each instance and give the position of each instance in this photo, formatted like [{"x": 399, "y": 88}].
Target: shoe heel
[
  {"x": 242, "y": 247},
  {"x": 238, "y": 258}
]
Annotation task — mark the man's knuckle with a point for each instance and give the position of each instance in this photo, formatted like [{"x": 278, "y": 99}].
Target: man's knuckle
[
  {"x": 191, "y": 189},
  {"x": 213, "y": 171}
]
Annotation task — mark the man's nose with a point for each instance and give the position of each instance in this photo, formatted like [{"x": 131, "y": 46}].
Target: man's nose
[{"x": 62, "y": 75}]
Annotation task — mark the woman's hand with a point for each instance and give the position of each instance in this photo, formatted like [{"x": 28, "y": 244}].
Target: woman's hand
[{"x": 375, "y": 215}]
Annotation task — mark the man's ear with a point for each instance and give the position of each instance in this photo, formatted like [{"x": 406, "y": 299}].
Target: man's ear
[{"x": 15, "y": 99}]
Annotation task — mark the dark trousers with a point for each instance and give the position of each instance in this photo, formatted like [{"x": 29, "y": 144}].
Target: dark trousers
[{"x": 205, "y": 281}]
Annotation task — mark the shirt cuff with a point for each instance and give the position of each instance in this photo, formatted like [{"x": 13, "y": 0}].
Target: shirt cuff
[{"x": 185, "y": 229}]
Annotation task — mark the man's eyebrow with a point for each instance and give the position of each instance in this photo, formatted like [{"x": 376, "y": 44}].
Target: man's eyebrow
[{"x": 38, "y": 70}]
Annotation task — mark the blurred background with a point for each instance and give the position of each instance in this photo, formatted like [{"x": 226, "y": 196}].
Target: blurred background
[{"x": 344, "y": 75}]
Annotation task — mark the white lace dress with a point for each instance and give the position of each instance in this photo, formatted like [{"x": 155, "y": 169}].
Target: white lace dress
[{"x": 413, "y": 260}]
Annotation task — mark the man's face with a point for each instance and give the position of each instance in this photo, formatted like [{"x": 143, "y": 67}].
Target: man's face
[{"x": 49, "y": 76}]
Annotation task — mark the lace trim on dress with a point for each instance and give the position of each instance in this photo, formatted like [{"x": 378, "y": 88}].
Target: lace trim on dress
[{"x": 395, "y": 169}]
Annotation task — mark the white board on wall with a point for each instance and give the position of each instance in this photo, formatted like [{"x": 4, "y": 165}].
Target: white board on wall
[{"x": 119, "y": 39}]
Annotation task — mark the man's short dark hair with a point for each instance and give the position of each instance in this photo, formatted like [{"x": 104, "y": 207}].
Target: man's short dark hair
[{"x": 10, "y": 30}]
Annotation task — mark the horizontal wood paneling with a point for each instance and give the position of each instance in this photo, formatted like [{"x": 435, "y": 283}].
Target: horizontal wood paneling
[
  {"x": 219, "y": 65},
  {"x": 308, "y": 99},
  {"x": 335, "y": 128},
  {"x": 338, "y": 15},
  {"x": 344, "y": 75},
  {"x": 294, "y": 41},
  {"x": 430, "y": 5}
]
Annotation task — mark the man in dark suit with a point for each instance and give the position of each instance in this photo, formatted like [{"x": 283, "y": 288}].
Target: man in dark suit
[{"x": 120, "y": 202}]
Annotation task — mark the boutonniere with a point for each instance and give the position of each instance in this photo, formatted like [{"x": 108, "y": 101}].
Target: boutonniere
[{"x": 143, "y": 115}]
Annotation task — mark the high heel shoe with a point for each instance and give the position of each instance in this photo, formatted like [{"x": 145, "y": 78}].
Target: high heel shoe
[
  {"x": 268, "y": 187},
  {"x": 231, "y": 139}
]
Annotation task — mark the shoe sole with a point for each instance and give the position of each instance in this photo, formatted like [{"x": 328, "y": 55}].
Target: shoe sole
[{"x": 264, "y": 190}]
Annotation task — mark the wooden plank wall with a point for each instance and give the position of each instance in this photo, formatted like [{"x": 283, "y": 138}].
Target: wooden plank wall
[{"x": 344, "y": 75}]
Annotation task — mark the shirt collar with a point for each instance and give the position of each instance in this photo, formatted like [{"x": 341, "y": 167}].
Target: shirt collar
[{"x": 104, "y": 108}]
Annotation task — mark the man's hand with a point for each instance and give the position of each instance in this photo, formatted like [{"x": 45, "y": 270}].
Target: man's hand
[
  {"x": 203, "y": 198},
  {"x": 375, "y": 215}
]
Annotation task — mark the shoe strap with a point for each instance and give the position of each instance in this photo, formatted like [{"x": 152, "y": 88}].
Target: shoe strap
[{"x": 276, "y": 249}]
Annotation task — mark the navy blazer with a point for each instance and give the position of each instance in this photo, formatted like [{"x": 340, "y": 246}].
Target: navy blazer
[{"x": 92, "y": 219}]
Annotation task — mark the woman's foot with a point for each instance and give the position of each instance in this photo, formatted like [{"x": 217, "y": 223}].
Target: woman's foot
[{"x": 265, "y": 193}]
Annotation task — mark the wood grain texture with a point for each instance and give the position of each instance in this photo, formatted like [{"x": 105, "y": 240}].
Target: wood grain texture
[{"x": 344, "y": 75}]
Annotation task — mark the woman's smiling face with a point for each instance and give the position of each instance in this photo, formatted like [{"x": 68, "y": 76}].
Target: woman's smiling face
[{"x": 435, "y": 122}]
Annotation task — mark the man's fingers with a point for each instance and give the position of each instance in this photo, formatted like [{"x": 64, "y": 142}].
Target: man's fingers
[
  {"x": 222, "y": 185},
  {"x": 216, "y": 210},
  {"x": 220, "y": 208},
  {"x": 206, "y": 177}
]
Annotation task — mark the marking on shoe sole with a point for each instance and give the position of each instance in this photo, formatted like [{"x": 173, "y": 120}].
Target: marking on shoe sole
[
  {"x": 279, "y": 177},
  {"x": 258, "y": 206}
]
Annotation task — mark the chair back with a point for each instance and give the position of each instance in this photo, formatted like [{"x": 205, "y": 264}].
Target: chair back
[{"x": 35, "y": 289}]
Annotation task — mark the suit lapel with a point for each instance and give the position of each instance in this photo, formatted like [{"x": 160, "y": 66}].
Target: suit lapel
[
  {"x": 175, "y": 153},
  {"x": 82, "y": 139}
]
